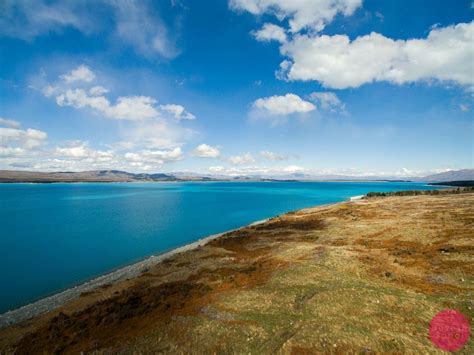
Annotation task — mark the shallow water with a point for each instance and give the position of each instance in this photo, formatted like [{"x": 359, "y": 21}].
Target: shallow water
[{"x": 54, "y": 236}]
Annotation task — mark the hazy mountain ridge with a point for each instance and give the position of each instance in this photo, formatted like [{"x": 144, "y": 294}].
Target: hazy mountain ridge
[
  {"x": 83, "y": 176},
  {"x": 451, "y": 175},
  {"x": 123, "y": 176}
]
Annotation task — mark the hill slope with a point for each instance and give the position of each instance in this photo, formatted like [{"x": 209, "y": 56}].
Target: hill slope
[
  {"x": 84, "y": 176},
  {"x": 452, "y": 175}
]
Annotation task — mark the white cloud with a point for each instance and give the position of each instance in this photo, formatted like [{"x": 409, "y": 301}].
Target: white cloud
[
  {"x": 178, "y": 111},
  {"x": 81, "y": 73},
  {"x": 272, "y": 156},
  {"x": 137, "y": 25},
  {"x": 125, "y": 108},
  {"x": 464, "y": 107},
  {"x": 206, "y": 151},
  {"x": 98, "y": 90},
  {"x": 153, "y": 159},
  {"x": 257, "y": 170},
  {"x": 446, "y": 55},
  {"x": 27, "y": 148},
  {"x": 78, "y": 150},
  {"x": 337, "y": 62},
  {"x": 328, "y": 101},
  {"x": 270, "y": 32},
  {"x": 302, "y": 14},
  {"x": 9, "y": 123},
  {"x": 134, "y": 23},
  {"x": 150, "y": 125},
  {"x": 243, "y": 159},
  {"x": 48, "y": 90},
  {"x": 133, "y": 108},
  {"x": 27, "y": 19},
  {"x": 292, "y": 169},
  {"x": 12, "y": 152},
  {"x": 27, "y": 139},
  {"x": 216, "y": 169},
  {"x": 283, "y": 105},
  {"x": 78, "y": 156},
  {"x": 17, "y": 143}
]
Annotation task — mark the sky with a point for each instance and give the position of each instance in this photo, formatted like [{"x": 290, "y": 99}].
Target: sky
[{"x": 272, "y": 87}]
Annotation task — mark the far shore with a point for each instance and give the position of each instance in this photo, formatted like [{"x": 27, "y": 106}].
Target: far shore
[{"x": 197, "y": 181}]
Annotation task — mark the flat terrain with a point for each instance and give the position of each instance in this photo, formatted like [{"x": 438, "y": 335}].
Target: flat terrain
[{"x": 362, "y": 276}]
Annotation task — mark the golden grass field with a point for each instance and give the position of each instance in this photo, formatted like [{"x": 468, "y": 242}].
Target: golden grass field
[{"x": 363, "y": 276}]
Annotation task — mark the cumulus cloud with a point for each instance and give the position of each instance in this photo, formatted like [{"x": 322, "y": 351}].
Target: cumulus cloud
[
  {"x": 133, "y": 108},
  {"x": 133, "y": 23},
  {"x": 337, "y": 62},
  {"x": 79, "y": 150},
  {"x": 270, "y": 32},
  {"x": 178, "y": 112},
  {"x": 328, "y": 101},
  {"x": 148, "y": 124},
  {"x": 79, "y": 156},
  {"x": 216, "y": 169},
  {"x": 302, "y": 14},
  {"x": 26, "y": 139},
  {"x": 16, "y": 143},
  {"x": 206, "y": 151},
  {"x": 293, "y": 169},
  {"x": 125, "y": 108},
  {"x": 81, "y": 73},
  {"x": 9, "y": 123},
  {"x": 445, "y": 55},
  {"x": 153, "y": 159},
  {"x": 98, "y": 90},
  {"x": 256, "y": 170},
  {"x": 29, "y": 148},
  {"x": 243, "y": 159},
  {"x": 283, "y": 105},
  {"x": 11, "y": 152},
  {"x": 272, "y": 156}
]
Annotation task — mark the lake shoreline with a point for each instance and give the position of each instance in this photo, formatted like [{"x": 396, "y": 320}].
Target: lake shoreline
[
  {"x": 50, "y": 303},
  {"x": 375, "y": 257},
  {"x": 56, "y": 300}
]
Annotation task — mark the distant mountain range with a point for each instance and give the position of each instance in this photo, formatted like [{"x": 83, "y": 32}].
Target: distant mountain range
[
  {"x": 83, "y": 176},
  {"x": 123, "y": 176},
  {"x": 451, "y": 175}
]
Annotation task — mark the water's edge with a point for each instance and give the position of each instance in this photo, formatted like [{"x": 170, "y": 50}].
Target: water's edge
[{"x": 57, "y": 300}]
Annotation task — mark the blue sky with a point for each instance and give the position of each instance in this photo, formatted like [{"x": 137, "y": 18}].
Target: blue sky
[{"x": 237, "y": 87}]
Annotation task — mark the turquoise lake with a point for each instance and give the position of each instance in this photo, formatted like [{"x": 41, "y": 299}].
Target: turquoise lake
[{"x": 54, "y": 236}]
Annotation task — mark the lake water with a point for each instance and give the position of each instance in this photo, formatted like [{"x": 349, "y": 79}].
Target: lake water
[{"x": 54, "y": 236}]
